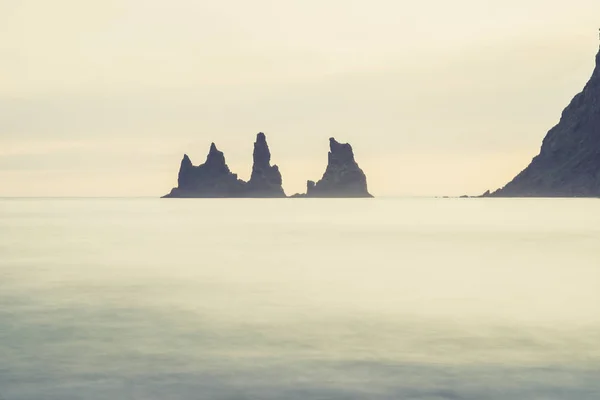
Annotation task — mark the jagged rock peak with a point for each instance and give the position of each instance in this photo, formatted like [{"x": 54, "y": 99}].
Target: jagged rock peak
[
  {"x": 215, "y": 160},
  {"x": 568, "y": 164},
  {"x": 186, "y": 161},
  {"x": 262, "y": 154},
  {"x": 211, "y": 179},
  {"x": 334, "y": 145},
  {"x": 342, "y": 178},
  {"x": 185, "y": 171},
  {"x": 340, "y": 152},
  {"x": 261, "y": 137},
  {"x": 265, "y": 180}
]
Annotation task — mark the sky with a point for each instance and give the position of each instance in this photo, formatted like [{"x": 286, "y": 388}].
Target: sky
[{"x": 103, "y": 97}]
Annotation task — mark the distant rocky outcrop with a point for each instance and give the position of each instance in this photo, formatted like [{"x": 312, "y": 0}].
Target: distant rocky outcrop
[
  {"x": 569, "y": 161},
  {"x": 342, "y": 178},
  {"x": 211, "y": 179},
  {"x": 265, "y": 180},
  {"x": 214, "y": 179}
]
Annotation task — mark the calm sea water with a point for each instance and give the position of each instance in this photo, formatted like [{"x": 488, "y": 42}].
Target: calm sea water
[{"x": 299, "y": 299}]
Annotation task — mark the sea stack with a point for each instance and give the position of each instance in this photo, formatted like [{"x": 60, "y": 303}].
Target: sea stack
[
  {"x": 265, "y": 180},
  {"x": 214, "y": 179},
  {"x": 211, "y": 179},
  {"x": 342, "y": 178},
  {"x": 568, "y": 164}
]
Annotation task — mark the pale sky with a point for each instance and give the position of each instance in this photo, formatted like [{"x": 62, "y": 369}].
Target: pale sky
[{"x": 437, "y": 97}]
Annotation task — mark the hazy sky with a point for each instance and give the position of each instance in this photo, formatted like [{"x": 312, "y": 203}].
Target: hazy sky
[{"x": 437, "y": 97}]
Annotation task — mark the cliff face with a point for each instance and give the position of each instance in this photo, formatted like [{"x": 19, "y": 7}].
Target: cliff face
[
  {"x": 342, "y": 178},
  {"x": 265, "y": 180},
  {"x": 569, "y": 161},
  {"x": 214, "y": 179}
]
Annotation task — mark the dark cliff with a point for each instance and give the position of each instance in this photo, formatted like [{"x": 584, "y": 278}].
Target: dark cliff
[
  {"x": 342, "y": 178},
  {"x": 569, "y": 161}
]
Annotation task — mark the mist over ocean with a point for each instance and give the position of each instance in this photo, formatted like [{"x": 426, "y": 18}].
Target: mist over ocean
[{"x": 425, "y": 299}]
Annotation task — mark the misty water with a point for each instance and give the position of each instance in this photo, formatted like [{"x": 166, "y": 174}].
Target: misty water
[{"x": 299, "y": 299}]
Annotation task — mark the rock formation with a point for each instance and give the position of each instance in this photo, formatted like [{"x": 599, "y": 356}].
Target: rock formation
[
  {"x": 214, "y": 179},
  {"x": 342, "y": 178},
  {"x": 211, "y": 179},
  {"x": 569, "y": 161},
  {"x": 265, "y": 180}
]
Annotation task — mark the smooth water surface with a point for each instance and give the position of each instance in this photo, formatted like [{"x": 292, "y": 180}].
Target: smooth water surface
[{"x": 299, "y": 299}]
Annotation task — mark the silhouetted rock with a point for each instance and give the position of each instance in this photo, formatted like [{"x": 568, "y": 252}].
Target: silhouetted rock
[
  {"x": 342, "y": 178},
  {"x": 265, "y": 180},
  {"x": 569, "y": 161},
  {"x": 211, "y": 179}
]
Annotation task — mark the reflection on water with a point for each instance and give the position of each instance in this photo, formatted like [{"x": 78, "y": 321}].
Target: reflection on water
[{"x": 307, "y": 299}]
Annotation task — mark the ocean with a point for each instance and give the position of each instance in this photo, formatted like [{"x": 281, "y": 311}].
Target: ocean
[{"x": 225, "y": 299}]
